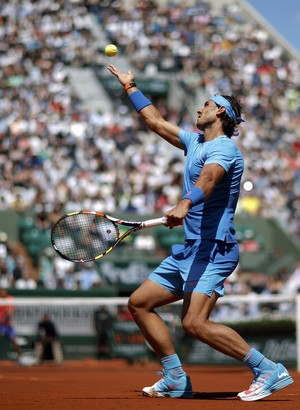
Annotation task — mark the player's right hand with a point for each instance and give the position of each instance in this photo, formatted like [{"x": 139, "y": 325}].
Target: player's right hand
[{"x": 176, "y": 215}]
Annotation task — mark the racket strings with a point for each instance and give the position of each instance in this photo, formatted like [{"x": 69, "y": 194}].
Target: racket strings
[{"x": 84, "y": 236}]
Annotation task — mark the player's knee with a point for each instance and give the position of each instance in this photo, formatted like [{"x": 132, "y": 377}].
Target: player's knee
[
  {"x": 131, "y": 305},
  {"x": 188, "y": 325},
  {"x": 195, "y": 328},
  {"x": 135, "y": 304}
]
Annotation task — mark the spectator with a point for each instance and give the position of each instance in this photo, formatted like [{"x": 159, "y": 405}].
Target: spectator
[
  {"x": 87, "y": 276},
  {"x": 292, "y": 285},
  {"x": 5, "y": 276},
  {"x": 3, "y": 246},
  {"x": 25, "y": 282},
  {"x": 144, "y": 242},
  {"x": 19, "y": 269}
]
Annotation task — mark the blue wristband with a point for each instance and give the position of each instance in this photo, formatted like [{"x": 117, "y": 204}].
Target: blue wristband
[
  {"x": 139, "y": 101},
  {"x": 196, "y": 195}
]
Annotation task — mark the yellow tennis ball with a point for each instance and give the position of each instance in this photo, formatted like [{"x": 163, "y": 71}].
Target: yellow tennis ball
[{"x": 111, "y": 50}]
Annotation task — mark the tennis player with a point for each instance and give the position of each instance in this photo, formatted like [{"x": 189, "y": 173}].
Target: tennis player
[{"x": 196, "y": 271}]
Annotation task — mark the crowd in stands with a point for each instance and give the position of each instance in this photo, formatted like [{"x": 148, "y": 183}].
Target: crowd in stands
[
  {"x": 57, "y": 157},
  {"x": 230, "y": 54}
]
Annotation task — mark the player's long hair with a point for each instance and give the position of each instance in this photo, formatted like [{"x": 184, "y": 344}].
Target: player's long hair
[{"x": 230, "y": 125}]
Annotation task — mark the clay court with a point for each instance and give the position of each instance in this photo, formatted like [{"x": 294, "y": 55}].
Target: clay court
[{"x": 115, "y": 384}]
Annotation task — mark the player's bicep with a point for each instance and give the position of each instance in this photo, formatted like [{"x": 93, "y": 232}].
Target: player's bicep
[
  {"x": 165, "y": 129},
  {"x": 169, "y": 132}
]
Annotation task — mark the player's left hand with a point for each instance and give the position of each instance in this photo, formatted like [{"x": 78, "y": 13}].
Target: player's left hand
[{"x": 124, "y": 78}]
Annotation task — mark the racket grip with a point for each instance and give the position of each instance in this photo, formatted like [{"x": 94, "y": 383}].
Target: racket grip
[{"x": 155, "y": 222}]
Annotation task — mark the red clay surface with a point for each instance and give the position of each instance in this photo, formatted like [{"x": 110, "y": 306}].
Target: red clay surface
[{"x": 91, "y": 384}]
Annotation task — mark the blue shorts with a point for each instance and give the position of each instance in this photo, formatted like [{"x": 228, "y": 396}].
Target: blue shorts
[
  {"x": 7, "y": 331},
  {"x": 198, "y": 266}
]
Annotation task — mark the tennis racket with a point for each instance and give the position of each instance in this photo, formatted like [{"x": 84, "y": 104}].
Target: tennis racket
[{"x": 87, "y": 236}]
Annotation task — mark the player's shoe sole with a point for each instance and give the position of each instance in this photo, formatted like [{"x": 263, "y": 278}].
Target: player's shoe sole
[{"x": 267, "y": 383}]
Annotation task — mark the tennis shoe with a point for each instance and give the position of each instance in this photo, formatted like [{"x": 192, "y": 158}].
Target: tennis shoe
[
  {"x": 170, "y": 386},
  {"x": 266, "y": 382}
]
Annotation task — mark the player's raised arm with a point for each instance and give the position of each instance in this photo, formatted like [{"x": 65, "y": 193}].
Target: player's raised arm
[{"x": 152, "y": 117}]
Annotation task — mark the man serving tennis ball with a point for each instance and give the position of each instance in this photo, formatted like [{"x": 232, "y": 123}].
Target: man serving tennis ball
[{"x": 196, "y": 271}]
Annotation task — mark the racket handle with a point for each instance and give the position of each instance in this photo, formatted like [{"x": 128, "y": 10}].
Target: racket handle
[{"x": 154, "y": 222}]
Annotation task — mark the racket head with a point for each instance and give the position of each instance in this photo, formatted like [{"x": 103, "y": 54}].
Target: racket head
[{"x": 84, "y": 236}]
